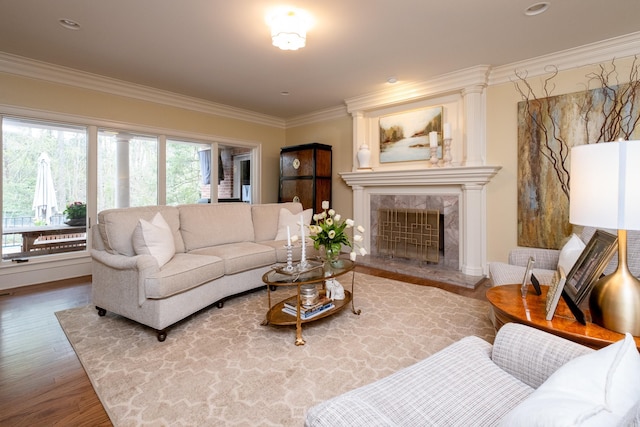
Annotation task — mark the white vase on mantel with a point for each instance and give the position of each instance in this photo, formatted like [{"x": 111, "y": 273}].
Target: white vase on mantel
[{"x": 364, "y": 157}]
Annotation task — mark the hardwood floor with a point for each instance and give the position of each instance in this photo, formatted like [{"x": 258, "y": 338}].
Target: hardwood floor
[{"x": 41, "y": 379}]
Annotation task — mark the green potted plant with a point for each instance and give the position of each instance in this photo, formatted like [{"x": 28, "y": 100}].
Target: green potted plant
[{"x": 76, "y": 213}]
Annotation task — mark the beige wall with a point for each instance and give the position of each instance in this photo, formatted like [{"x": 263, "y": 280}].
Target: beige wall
[
  {"x": 50, "y": 97},
  {"x": 502, "y": 143},
  {"x": 502, "y": 102},
  {"x": 338, "y": 133}
]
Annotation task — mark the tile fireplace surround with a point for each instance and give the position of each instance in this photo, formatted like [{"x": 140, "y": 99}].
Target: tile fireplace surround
[{"x": 461, "y": 186}]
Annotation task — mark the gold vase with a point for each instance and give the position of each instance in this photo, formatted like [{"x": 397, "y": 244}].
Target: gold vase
[{"x": 615, "y": 299}]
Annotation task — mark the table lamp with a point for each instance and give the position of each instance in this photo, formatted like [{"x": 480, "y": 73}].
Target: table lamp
[{"x": 605, "y": 193}]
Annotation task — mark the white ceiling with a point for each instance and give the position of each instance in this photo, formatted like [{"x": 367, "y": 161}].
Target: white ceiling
[{"x": 220, "y": 50}]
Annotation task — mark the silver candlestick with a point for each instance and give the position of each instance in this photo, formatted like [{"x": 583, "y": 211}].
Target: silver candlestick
[
  {"x": 434, "y": 157},
  {"x": 289, "y": 266},
  {"x": 446, "y": 157},
  {"x": 303, "y": 257}
]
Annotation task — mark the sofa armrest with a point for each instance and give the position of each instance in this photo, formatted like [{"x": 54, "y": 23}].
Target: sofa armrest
[
  {"x": 113, "y": 271},
  {"x": 122, "y": 262},
  {"x": 546, "y": 259},
  {"x": 532, "y": 355}
]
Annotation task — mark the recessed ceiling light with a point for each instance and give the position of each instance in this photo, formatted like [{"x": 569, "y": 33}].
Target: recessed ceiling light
[
  {"x": 392, "y": 80},
  {"x": 537, "y": 8},
  {"x": 284, "y": 93},
  {"x": 69, "y": 24}
]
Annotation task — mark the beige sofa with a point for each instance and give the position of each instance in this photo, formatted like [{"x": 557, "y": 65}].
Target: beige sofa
[{"x": 220, "y": 250}]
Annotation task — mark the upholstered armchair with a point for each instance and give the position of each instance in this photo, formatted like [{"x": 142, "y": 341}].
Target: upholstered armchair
[{"x": 546, "y": 260}]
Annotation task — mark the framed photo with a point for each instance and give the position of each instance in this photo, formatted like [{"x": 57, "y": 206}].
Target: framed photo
[
  {"x": 554, "y": 292},
  {"x": 527, "y": 277},
  {"x": 590, "y": 265},
  {"x": 405, "y": 136}
]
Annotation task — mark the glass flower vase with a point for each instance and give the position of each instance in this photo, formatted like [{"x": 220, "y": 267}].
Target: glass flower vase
[{"x": 332, "y": 254}]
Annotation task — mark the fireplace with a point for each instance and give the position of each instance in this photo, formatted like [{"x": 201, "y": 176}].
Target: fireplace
[
  {"x": 408, "y": 233},
  {"x": 456, "y": 192},
  {"x": 462, "y": 185},
  {"x": 447, "y": 238}
]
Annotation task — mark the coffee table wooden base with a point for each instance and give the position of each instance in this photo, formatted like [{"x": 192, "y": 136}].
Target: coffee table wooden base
[
  {"x": 509, "y": 306},
  {"x": 315, "y": 276},
  {"x": 275, "y": 315}
]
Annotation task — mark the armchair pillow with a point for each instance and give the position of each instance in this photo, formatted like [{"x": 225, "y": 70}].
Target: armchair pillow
[
  {"x": 570, "y": 252},
  {"x": 596, "y": 389}
]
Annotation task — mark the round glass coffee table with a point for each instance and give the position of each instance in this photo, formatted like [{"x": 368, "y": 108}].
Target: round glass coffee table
[{"x": 314, "y": 274}]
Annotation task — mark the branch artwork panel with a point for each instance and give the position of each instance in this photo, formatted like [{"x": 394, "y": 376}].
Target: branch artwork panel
[{"x": 547, "y": 129}]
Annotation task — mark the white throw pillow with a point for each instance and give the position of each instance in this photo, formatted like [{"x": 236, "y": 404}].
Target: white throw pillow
[
  {"x": 596, "y": 389},
  {"x": 154, "y": 238},
  {"x": 287, "y": 219},
  {"x": 570, "y": 253}
]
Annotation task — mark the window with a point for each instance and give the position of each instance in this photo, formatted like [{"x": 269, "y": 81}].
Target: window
[
  {"x": 188, "y": 172},
  {"x": 44, "y": 170},
  {"x": 134, "y": 167},
  {"x": 127, "y": 169}
]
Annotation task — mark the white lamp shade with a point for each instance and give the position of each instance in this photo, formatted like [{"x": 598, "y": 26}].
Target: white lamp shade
[{"x": 605, "y": 185}]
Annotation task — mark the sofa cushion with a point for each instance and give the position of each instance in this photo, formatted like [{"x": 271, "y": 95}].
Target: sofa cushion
[
  {"x": 154, "y": 238},
  {"x": 215, "y": 224},
  {"x": 241, "y": 256},
  {"x": 266, "y": 216},
  {"x": 592, "y": 390},
  {"x": 459, "y": 385},
  {"x": 291, "y": 222},
  {"x": 183, "y": 272},
  {"x": 116, "y": 227}
]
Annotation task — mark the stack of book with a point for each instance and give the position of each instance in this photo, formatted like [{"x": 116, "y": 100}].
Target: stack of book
[{"x": 307, "y": 311}]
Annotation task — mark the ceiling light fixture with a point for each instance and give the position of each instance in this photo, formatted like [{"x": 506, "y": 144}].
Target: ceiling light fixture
[
  {"x": 537, "y": 8},
  {"x": 289, "y": 28},
  {"x": 392, "y": 80},
  {"x": 69, "y": 24}
]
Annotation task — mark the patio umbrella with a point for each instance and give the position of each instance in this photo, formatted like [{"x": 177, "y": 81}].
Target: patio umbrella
[{"x": 44, "y": 199}]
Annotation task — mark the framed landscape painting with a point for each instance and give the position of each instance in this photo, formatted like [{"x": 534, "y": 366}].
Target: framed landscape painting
[{"x": 405, "y": 136}]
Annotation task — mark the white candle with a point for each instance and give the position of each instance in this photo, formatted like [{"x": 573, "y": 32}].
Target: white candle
[
  {"x": 288, "y": 236},
  {"x": 447, "y": 131},
  {"x": 433, "y": 139}
]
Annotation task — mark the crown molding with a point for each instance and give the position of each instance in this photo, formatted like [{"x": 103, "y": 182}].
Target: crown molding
[
  {"x": 318, "y": 116},
  {"x": 594, "y": 53},
  {"x": 481, "y": 75},
  {"x": 25, "y": 67},
  {"x": 442, "y": 85}
]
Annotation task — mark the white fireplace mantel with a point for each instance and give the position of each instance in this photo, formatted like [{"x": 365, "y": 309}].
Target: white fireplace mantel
[
  {"x": 461, "y": 175},
  {"x": 467, "y": 182}
]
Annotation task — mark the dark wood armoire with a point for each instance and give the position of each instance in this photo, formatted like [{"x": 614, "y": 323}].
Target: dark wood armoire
[{"x": 305, "y": 175}]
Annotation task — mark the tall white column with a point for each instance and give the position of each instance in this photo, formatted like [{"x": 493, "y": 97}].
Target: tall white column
[
  {"x": 122, "y": 170},
  {"x": 473, "y": 232},
  {"x": 360, "y": 211},
  {"x": 475, "y": 133}
]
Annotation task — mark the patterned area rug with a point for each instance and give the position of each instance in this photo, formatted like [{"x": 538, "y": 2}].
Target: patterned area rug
[{"x": 222, "y": 367}]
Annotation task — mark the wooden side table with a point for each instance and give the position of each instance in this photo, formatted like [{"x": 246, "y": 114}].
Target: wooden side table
[{"x": 509, "y": 306}]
